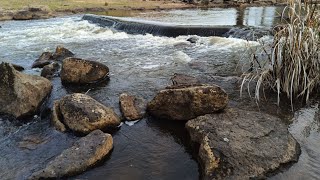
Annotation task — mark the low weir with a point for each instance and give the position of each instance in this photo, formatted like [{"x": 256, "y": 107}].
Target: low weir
[{"x": 154, "y": 28}]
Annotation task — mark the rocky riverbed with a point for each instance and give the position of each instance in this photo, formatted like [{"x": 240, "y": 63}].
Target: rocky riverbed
[{"x": 207, "y": 122}]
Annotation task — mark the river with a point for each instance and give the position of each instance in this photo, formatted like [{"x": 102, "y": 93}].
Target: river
[{"x": 140, "y": 64}]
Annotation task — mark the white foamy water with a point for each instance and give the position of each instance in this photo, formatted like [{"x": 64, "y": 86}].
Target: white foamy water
[
  {"x": 61, "y": 30},
  {"x": 229, "y": 44},
  {"x": 181, "y": 57},
  {"x": 131, "y": 123},
  {"x": 23, "y": 42}
]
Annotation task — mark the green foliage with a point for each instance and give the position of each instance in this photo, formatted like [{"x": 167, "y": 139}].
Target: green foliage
[{"x": 293, "y": 65}]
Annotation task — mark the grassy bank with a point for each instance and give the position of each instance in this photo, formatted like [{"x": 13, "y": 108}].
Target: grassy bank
[{"x": 63, "y": 5}]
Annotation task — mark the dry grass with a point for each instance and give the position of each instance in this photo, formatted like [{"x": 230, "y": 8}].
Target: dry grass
[
  {"x": 293, "y": 67},
  {"x": 60, "y": 5}
]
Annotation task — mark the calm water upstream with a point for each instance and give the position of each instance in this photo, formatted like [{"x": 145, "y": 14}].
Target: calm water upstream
[{"x": 139, "y": 64}]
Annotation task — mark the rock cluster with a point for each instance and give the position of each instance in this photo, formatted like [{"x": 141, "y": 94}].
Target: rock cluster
[
  {"x": 48, "y": 57},
  {"x": 234, "y": 143}
]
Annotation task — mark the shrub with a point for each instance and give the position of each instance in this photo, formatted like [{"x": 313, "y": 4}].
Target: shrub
[{"x": 293, "y": 64}]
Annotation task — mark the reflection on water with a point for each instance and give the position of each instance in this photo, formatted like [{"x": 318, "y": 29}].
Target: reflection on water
[
  {"x": 306, "y": 130},
  {"x": 249, "y": 16},
  {"x": 259, "y": 16}
]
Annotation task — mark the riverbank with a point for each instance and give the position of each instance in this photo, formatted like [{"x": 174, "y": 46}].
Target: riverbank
[{"x": 37, "y": 9}]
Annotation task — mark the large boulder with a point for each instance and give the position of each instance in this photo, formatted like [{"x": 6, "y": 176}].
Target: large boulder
[
  {"x": 240, "y": 144},
  {"x": 79, "y": 71},
  {"x": 85, "y": 153},
  {"x": 83, "y": 114},
  {"x": 184, "y": 103},
  {"x": 21, "y": 94},
  {"x": 133, "y": 108}
]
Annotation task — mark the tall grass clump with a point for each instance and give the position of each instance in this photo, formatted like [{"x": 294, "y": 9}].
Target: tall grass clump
[{"x": 293, "y": 64}]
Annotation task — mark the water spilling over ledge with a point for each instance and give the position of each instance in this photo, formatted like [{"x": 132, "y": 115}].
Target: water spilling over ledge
[{"x": 155, "y": 28}]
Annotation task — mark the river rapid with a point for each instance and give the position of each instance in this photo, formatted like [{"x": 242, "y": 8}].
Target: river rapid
[{"x": 140, "y": 64}]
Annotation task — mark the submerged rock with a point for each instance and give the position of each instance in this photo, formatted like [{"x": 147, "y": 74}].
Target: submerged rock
[
  {"x": 83, "y": 114},
  {"x": 133, "y": 108},
  {"x": 17, "y": 67},
  {"x": 47, "y": 57},
  {"x": 21, "y": 94},
  {"x": 182, "y": 79},
  {"x": 85, "y": 153},
  {"x": 50, "y": 70},
  {"x": 80, "y": 71},
  {"x": 43, "y": 60},
  {"x": 184, "y": 103},
  {"x": 248, "y": 33},
  {"x": 193, "y": 39},
  {"x": 239, "y": 144},
  {"x": 61, "y": 53}
]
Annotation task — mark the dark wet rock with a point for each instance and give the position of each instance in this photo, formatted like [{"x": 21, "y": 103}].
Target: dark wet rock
[
  {"x": 43, "y": 60},
  {"x": 240, "y": 144},
  {"x": 29, "y": 13},
  {"x": 184, "y": 103},
  {"x": 57, "y": 117},
  {"x": 17, "y": 67},
  {"x": 248, "y": 33},
  {"x": 61, "y": 53},
  {"x": 80, "y": 71},
  {"x": 50, "y": 70},
  {"x": 136, "y": 27},
  {"x": 83, "y": 114},
  {"x": 193, "y": 39},
  {"x": 182, "y": 79},
  {"x": 132, "y": 108},
  {"x": 47, "y": 57},
  {"x": 23, "y": 15},
  {"x": 21, "y": 94},
  {"x": 85, "y": 153},
  {"x": 6, "y": 15}
]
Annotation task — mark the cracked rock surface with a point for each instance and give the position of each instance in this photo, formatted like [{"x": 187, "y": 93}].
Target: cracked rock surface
[
  {"x": 240, "y": 144},
  {"x": 85, "y": 153}
]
